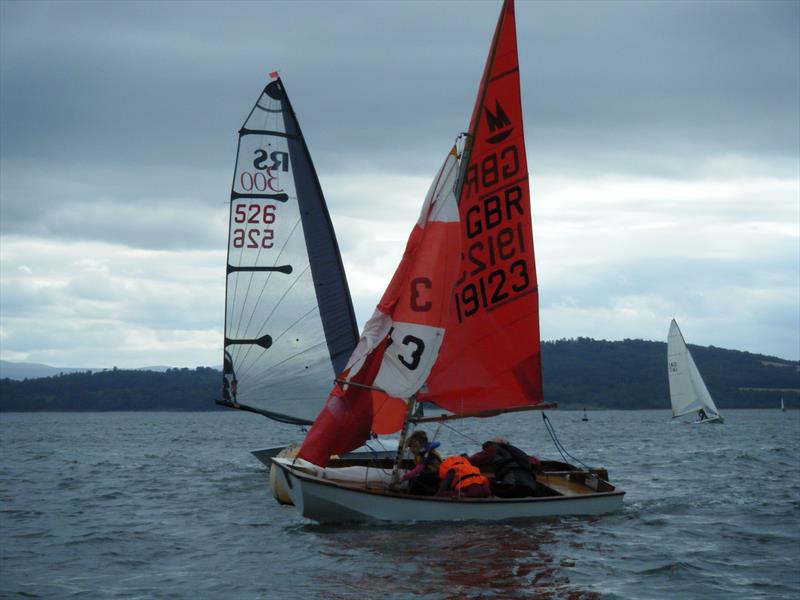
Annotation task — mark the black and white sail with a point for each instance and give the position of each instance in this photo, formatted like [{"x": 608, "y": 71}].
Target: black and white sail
[{"x": 289, "y": 320}]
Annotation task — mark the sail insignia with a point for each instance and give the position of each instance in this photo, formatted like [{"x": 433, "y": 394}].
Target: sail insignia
[{"x": 498, "y": 120}]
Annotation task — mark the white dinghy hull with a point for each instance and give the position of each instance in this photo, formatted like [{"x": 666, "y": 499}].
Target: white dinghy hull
[
  {"x": 328, "y": 501},
  {"x": 716, "y": 419}
]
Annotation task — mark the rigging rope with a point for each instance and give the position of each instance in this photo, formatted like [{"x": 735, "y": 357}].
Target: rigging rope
[
  {"x": 451, "y": 428},
  {"x": 559, "y": 446}
]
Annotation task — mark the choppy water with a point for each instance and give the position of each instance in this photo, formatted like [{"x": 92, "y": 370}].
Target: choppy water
[{"x": 143, "y": 505}]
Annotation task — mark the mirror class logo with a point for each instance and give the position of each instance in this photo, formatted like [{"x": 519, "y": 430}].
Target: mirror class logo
[{"x": 499, "y": 123}]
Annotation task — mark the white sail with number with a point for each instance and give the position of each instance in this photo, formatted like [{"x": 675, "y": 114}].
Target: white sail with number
[
  {"x": 289, "y": 321},
  {"x": 688, "y": 393}
]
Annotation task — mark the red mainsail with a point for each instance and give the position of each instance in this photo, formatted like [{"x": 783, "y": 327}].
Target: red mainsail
[
  {"x": 459, "y": 323},
  {"x": 490, "y": 357}
]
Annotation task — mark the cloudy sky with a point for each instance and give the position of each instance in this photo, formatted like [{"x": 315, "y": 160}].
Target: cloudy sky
[{"x": 663, "y": 144}]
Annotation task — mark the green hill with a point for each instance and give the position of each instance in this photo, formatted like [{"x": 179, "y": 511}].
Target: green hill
[
  {"x": 116, "y": 389},
  {"x": 578, "y": 373},
  {"x": 633, "y": 374}
]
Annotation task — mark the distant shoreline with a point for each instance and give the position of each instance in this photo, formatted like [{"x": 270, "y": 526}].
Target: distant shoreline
[{"x": 577, "y": 373}]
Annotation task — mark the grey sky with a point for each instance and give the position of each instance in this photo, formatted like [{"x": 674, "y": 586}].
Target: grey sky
[{"x": 663, "y": 142}]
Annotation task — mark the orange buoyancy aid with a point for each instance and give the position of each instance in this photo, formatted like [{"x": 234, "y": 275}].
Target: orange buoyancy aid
[{"x": 465, "y": 472}]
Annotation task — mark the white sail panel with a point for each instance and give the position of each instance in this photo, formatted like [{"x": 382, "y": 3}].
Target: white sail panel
[
  {"x": 700, "y": 389},
  {"x": 407, "y": 363},
  {"x": 688, "y": 392},
  {"x": 416, "y": 337},
  {"x": 415, "y": 303},
  {"x": 289, "y": 322}
]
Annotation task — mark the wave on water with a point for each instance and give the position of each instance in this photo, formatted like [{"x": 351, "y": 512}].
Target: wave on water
[
  {"x": 174, "y": 505},
  {"x": 671, "y": 568}
]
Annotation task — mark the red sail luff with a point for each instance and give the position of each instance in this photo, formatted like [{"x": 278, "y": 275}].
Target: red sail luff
[
  {"x": 346, "y": 419},
  {"x": 490, "y": 357}
]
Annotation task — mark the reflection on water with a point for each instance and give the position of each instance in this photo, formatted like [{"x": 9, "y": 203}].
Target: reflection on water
[{"x": 456, "y": 560}]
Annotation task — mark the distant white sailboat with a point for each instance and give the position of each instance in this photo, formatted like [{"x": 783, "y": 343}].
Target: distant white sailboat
[
  {"x": 783, "y": 406},
  {"x": 687, "y": 391}
]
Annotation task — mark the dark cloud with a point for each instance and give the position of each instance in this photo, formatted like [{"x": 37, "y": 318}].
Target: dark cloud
[
  {"x": 149, "y": 83},
  {"x": 118, "y": 133}
]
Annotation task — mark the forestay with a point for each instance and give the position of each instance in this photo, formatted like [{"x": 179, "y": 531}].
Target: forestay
[{"x": 289, "y": 321}]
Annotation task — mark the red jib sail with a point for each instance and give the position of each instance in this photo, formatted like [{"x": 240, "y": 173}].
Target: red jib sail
[
  {"x": 400, "y": 342},
  {"x": 490, "y": 357}
]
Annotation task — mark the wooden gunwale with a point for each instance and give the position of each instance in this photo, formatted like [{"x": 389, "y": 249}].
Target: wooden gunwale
[{"x": 353, "y": 487}]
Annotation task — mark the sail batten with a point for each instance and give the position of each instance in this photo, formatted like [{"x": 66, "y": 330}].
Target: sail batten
[
  {"x": 268, "y": 132},
  {"x": 285, "y": 269},
  {"x": 503, "y": 187},
  {"x": 501, "y": 75},
  {"x": 278, "y": 197}
]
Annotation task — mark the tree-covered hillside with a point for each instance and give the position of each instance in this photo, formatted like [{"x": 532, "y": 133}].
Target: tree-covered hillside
[
  {"x": 633, "y": 374},
  {"x": 117, "y": 389},
  {"x": 577, "y": 373}
]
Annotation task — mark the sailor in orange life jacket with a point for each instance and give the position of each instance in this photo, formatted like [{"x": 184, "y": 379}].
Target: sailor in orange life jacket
[
  {"x": 460, "y": 479},
  {"x": 424, "y": 477}
]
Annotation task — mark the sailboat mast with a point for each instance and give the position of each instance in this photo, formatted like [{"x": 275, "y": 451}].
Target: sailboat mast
[
  {"x": 341, "y": 333},
  {"x": 402, "y": 441},
  {"x": 229, "y": 389},
  {"x": 479, "y": 102},
  {"x": 233, "y": 196},
  {"x": 469, "y": 136}
]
